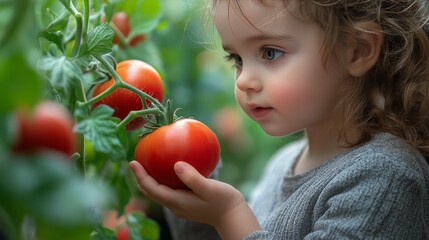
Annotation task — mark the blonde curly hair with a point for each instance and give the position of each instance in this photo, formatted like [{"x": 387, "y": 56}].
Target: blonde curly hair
[{"x": 393, "y": 96}]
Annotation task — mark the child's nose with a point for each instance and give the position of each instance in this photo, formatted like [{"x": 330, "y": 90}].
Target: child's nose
[{"x": 248, "y": 80}]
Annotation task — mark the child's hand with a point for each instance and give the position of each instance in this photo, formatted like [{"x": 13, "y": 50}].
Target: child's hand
[{"x": 208, "y": 201}]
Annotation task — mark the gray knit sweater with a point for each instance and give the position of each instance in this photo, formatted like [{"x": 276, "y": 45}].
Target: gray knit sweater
[{"x": 378, "y": 190}]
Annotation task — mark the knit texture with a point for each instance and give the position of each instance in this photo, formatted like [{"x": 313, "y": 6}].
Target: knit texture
[{"x": 378, "y": 190}]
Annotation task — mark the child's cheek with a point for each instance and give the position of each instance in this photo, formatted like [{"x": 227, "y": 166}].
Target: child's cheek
[{"x": 294, "y": 96}]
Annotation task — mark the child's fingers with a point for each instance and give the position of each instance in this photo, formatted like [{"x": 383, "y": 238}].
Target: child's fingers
[
  {"x": 150, "y": 187},
  {"x": 191, "y": 177}
]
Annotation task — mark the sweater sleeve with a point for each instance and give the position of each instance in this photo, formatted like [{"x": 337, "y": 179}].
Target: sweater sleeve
[
  {"x": 379, "y": 197},
  {"x": 182, "y": 229}
]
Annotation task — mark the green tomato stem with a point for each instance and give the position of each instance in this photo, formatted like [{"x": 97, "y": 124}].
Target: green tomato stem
[
  {"x": 79, "y": 30},
  {"x": 79, "y": 26},
  {"x": 80, "y": 157},
  {"x": 85, "y": 19},
  {"x": 100, "y": 96},
  {"x": 135, "y": 114},
  {"x": 122, "y": 39}
]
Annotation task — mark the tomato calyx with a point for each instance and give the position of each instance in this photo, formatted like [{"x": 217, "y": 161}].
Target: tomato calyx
[{"x": 153, "y": 122}]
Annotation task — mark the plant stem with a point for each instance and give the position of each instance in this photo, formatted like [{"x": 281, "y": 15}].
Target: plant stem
[
  {"x": 78, "y": 39},
  {"x": 86, "y": 11},
  {"x": 134, "y": 114},
  {"x": 79, "y": 26},
  {"x": 100, "y": 96},
  {"x": 81, "y": 161},
  {"x": 122, "y": 39}
]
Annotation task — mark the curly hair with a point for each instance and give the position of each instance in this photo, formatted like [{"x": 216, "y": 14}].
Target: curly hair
[{"x": 393, "y": 96}]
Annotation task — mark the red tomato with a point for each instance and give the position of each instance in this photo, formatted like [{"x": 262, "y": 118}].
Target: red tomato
[
  {"x": 185, "y": 140},
  {"x": 50, "y": 127},
  {"x": 122, "y": 22},
  {"x": 138, "y": 74},
  {"x": 122, "y": 233},
  {"x": 137, "y": 39}
]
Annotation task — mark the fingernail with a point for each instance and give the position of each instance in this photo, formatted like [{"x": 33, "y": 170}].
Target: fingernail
[{"x": 180, "y": 167}]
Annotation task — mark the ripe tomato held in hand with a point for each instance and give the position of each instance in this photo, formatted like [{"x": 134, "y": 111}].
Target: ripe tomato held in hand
[
  {"x": 49, "y": 127},
  {"x": 138, "y": 74},
  {"x": 185, "y": 140}
]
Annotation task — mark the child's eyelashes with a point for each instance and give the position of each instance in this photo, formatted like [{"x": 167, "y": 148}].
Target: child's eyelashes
[
  {"x": 267, "y": 54},
  {"x": 236, "y": 59}
]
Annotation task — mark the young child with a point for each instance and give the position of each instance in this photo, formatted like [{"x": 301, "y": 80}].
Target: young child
[{"x": 355, "y": 76}]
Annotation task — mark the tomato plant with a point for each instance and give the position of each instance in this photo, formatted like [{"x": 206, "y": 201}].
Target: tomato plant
[
  {"x": 139, "y": 75},
  {"x": 52, "y": 54},
  {"x": 183, "y": 140},
  {"x": 50, "y": 127}
]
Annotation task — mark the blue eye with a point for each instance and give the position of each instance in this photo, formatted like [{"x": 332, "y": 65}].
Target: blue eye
[
  {"x": 271, "y": 54},
  {"x": 238, "y": 62}
]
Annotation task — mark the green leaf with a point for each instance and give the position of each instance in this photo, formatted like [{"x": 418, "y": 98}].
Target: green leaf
[
  {"x": 103, "y": 234},
  {"x": 141, "y": 227},
  {"x": 66, "y": 3},
  {"x": 62, "y": 72},
  {"x": 59, "y": 23},
  {"x": 20, "y": 83},
  {"x": 100, "y": 40},
  {"x": 54, "y": 37},
  {"x": 144, "y": 15},
  {"x": 100, "y": 128}
]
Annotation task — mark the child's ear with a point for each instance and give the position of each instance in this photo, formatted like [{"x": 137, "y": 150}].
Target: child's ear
[{"x": 364, "y": 53}]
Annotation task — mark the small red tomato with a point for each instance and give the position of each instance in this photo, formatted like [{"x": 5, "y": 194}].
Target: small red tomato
[
  {"x": 122, "y": 233},
  {"x": 122, "y": 23},
  {"x": 138, "y": 74},
  {"x": 137, "y": 39},
  {"x": 49, "y": 127},
  {"x": 185, "y": 140}
]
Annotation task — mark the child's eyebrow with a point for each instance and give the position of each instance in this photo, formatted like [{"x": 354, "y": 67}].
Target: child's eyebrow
[{"x": 263, "y": 37}]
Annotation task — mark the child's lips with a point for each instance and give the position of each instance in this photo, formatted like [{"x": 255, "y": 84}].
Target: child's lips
[{"x": 258, "y": 112}]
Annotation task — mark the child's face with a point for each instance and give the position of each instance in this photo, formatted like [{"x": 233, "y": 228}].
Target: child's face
[{"x": 280, "y": 80}]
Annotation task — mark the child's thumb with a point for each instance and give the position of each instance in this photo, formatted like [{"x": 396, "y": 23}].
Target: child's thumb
[{"x": 190, "y": 176}]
